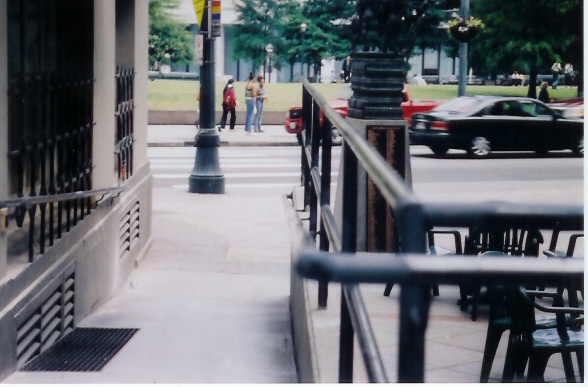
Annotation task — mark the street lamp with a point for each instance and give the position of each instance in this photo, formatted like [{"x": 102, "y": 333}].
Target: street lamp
[
  {"x": 270, "y": 50},
  {"x": 207, "y": 176},
  {"x": 302, "y": 30},
  {"x": 463, "y": 53}
]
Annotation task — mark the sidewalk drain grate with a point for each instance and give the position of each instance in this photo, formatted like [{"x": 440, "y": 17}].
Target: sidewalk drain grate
[{"x": 83, "y": 350}]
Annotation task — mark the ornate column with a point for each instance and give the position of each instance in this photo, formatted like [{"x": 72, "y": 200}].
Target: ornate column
[
  {"x": 383, "y": 35},
  {"x": 383, "y": 31}
]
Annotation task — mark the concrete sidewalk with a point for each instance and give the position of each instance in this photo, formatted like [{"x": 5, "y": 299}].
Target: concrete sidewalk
[
  {"x": 211, "y": 299},
  {"x": 184, "y": 135}
]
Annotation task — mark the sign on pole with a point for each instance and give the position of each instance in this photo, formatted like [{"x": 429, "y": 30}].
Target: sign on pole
[
  {"x": 199, "y": 50},
  {"x": 215, "y": 19},
  {"x": 199, "y": 9}
]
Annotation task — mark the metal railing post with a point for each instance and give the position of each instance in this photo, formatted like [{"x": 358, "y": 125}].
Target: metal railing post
[
  {"x": 325, "y": 200},
  {"x": 348, "y": 240},
  {"x": 306, "y": 116},
  {"x": 314, "y": 162}
]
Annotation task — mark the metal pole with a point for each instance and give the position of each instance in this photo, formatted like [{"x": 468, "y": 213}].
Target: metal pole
[
  {"x": 463, "y": 53},
  {"x": 302, "y": 59},
  {"x": 207, "y": 176}
]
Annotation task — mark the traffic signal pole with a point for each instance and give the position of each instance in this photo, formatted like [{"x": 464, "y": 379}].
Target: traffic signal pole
[{"x": 206, "y": 176}]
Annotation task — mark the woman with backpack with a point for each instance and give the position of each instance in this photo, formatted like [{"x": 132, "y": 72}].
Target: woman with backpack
[{"x": 229, "y": 104}]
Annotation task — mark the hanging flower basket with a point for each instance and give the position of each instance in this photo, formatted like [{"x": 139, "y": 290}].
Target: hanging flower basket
[{"x": 464, "y": 30}]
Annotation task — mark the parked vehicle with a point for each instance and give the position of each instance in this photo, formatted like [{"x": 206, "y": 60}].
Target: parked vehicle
[
  {"x": 293, "y": 122},
  {"x": 483, "y": 124}
]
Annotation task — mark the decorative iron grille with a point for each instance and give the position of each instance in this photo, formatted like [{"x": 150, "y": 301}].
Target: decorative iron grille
[
  {"x": 125, "y": 77},
  {"x": 50, "y": 122}
]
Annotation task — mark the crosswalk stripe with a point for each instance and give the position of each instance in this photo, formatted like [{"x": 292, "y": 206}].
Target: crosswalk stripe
[
  {"x": 245, "y": 185},
  {"x": 249, "y": 185},
  {"x": 266, "y": 161},
  {"x": 233, "y": 175},
  {"x": 231, "y": 166}
]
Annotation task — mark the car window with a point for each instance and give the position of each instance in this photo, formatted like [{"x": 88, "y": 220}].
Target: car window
[
  {"x": 496, "y": 109},
  {"x": 514, "y": 109},
  {"x": 503, "y": 108},
  {"x": 534, "y": 109}
]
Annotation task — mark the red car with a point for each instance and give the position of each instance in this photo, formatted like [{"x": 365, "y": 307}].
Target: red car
[{"x": 293, "y": 123}]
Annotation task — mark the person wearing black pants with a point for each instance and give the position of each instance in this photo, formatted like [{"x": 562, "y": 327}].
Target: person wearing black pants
[{"x": 229, "y": 104}]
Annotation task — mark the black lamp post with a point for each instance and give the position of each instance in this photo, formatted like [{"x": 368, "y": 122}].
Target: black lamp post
[
  {"x": 207, "y": 177},
  {"x": 270, "y": 51},
  {"x": 303, "y": 31},
  {"x": 463, "y": 53}
]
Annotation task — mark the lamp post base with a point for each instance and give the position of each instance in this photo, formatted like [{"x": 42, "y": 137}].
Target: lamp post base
[
  {"x": 207, "y": 177},
  {"x": 207, "y": 184}
]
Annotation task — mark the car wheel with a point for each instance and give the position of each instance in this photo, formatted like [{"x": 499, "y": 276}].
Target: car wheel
[
  {"x": 336, "y": 136},
  {"x": 579, "y": 149},
  {"x": 479, "y": 148},
  {"x": 439, "y": 150}
]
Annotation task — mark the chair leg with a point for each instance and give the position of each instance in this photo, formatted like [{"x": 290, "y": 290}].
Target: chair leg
[
  {"x": 568, "y": 367},
  {"x": 508, "y": 372},
  {"x": 435, "y": 290},
  {"x": 388, "y": 289},
  {"x": 492, "y": 341},
  {"x": 517, "y": 354},
  {"x": 475, "y": 301},
  {"x": 537, "y": 365},
  {"x": 463, "y": 298}
]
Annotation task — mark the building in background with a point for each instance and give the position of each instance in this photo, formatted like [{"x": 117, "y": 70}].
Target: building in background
[
  {"x": 75, "y": 184},
  {"x": 435, "y": 67}
]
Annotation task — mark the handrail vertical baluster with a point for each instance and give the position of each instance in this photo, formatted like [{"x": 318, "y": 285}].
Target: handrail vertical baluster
[
  {"x": 306, "y": 114},
  {"x": 325, "y": 199},
  {"x": 348, "y": 244},
  {"x": 314, "y": 158}
]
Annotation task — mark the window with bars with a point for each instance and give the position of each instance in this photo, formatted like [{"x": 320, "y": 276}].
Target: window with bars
[
  {"x": 125, "y": 76},
  {"x": 50, "y": 122}
]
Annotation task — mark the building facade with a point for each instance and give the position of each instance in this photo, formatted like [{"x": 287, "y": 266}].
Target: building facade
[
  {"x": 75, "y": 184},
  {"x": 435, "y": 65}
]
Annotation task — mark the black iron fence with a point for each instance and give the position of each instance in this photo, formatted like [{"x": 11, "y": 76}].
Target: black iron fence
[
  {"x": 337, "y": 258},
  {"x": 124, "y": 121}
]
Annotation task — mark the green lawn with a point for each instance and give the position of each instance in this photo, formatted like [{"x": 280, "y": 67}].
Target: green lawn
[{"x": 181, "y": 94}]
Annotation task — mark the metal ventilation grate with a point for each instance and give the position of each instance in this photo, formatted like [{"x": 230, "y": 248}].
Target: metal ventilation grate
[
  {"x": 53, "y": 319},
  {"x": 129, "y": 230},
  {"x": 83, "y": 350}
]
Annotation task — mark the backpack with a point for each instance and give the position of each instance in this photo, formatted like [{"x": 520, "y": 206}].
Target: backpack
[{"x": 228, "y": 99}]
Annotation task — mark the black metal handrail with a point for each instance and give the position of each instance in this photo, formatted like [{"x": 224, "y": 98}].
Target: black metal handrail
[
  {"x": 34, "y": 200},
  {"x": 54, "y": 205},
  {"x": 413, "y": 219}
]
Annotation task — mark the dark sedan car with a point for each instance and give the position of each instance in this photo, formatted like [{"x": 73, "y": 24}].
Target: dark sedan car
[{"x": 483, "y": 124}]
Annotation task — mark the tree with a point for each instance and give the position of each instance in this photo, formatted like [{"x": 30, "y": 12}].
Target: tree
[
  {"x": 428, "y": 34},
  {"x": 169, "y": 39},
  {"x": 529, "y": 35},
  {"x": 325, "y": 39},
  {"x": 291, "y": 36},
  {"x": 260, "y": 22}
]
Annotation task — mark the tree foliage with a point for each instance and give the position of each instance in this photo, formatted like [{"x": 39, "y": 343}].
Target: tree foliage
[
  {"x": 169, "y": 39},
  {"x": 528, "y": 35},
  {"x": 260, "y": 23},
  {"x": 325, "y": 39}
]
